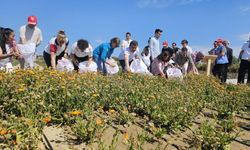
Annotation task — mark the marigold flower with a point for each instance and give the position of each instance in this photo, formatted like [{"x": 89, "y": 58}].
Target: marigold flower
[
  {"x": 47, "y": 119},
  {"x": 3, "y": 132},
  {"x": 75, "y": 113},
  {"x": 125, "y": 136},
  {"x": 112, "y": 111},
  {"x": 98, "y": 121}
]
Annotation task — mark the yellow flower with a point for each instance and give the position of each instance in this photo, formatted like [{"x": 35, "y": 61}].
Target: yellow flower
[
  {"x": 112, "y": 111},
  {"x": 31, "y": 72},
  {"x": 152, "y": 97},
  {"x": 75, "y": 113},
  {"x": 21, "y": 89},
  {"x": 94, "y": 95},
  {"x": 125, "y": 136},
  {"x": 98, "y": 121}
]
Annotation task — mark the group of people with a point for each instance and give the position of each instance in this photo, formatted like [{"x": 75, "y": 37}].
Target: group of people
[
  {"x": 156, "y": 58},
  {"x": 225, "y": 57},
  {"x": 28, "y": 34}
]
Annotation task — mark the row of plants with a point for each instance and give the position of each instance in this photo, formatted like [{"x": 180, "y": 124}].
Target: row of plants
[{"x": 31, "y": 99}]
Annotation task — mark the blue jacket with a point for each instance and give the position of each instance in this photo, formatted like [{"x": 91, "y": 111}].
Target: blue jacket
[
  {"x": 103, "y": 51},
  {"x": 221, "y": 59}
]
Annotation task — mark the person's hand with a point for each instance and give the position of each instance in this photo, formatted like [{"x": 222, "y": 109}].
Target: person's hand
[
  {"x": 162, "y": 75},
  {"x": 112, "y": 65},
  {"x": 196, "y": 71},
  {"x": 177, "y": 66},
  {"x": 76, "y": 62},
  {"x": 128, "y": 69},
  {"x": 10, "y": 54},
  {"x": 65, "y": 55},
  {"x": 16, "y": 54},
  {"x": 88, "y": 64}
]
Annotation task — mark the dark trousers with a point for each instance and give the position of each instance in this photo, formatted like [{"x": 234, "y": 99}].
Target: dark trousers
[
  {"x": 80, "y": 59},
  {"x": 122, "y": 62},
  {"x": 47, "y": 58},
  {"x": 244, "y": 68},
  {"x": 220, "y": 71}
]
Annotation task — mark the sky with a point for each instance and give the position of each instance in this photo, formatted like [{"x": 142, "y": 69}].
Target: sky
[{"x": 199, "y": 21}]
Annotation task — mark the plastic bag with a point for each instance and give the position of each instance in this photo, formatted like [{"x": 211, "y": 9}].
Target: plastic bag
[
  {"x": 138, "y": 66},
  {"x": 174, "y": 73},
  {"x": 83, "y": 68},
  {"x": 8, "y": 67},
  {"x": 146, "y": 60},
  {"x": 28, "y": 53},
  {"x": 65, "y": 65},
  {"x": 112, "y": 70}
]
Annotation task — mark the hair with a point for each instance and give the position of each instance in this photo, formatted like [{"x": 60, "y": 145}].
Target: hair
[
  {"x": 61, "y": 32},
  {"x": 5, "y": 33},
  {"x": 158, "y": 30},
  {"x": 174, "y": 44},
  {"x": 82, "y": 44},
  {"x": 145, "y": 51},
  {"x": 128, "y": 33},
  {"x": 184, "y": 42},
  {"x": 134, "y": 43},
  {"x": 115, "y": 40},
  {"x": 163, "y": 55}
]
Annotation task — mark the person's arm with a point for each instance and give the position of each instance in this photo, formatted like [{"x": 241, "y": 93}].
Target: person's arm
[
  {"x": 53, "y": 59},
  {"x": 90, "y": 55},
  {"x": 126, "y": 59},
  {"x": 89, "y": 61},
  {"x": 137, "y": 54},
  {"x": 123, "y": 45},
  {"x": 222, "y": 52},
  {"x": 22, "y": 35},
  {"x": 230, "y": 56},
  {"x": 104, "y": 54},
  {"x": 66, "y": 50},
  {"x": 73, "y": 58},
  {"x": 3, "y": 56},
  {"x": 162, "y": 74},
  {"x": 151, "y": 46},
  {"x": 192, "y": 63},
  {"x": 241, "y": 53},
  {"x": 40, "y": 38}
]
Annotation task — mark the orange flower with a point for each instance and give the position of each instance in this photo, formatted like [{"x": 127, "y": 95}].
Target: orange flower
[
  {"x": 75, "y": 113},
  {"x": 13, "y": 131},
  {"x": 14, "y": 142},
  {"x": 98, "y": 121},
  {"x": 47, "y": 119},
  {"x": 3, "y": 132}
]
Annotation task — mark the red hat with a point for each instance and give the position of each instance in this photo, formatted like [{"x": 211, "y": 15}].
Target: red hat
[
  {"x": 165, "y": 43},
  {"x": 32, "y": 20},
  {"x": 219, "y": 40}
]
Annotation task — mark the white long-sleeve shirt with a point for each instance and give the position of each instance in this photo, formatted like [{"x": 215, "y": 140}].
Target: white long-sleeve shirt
[{"x": 154, "y": 47}]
